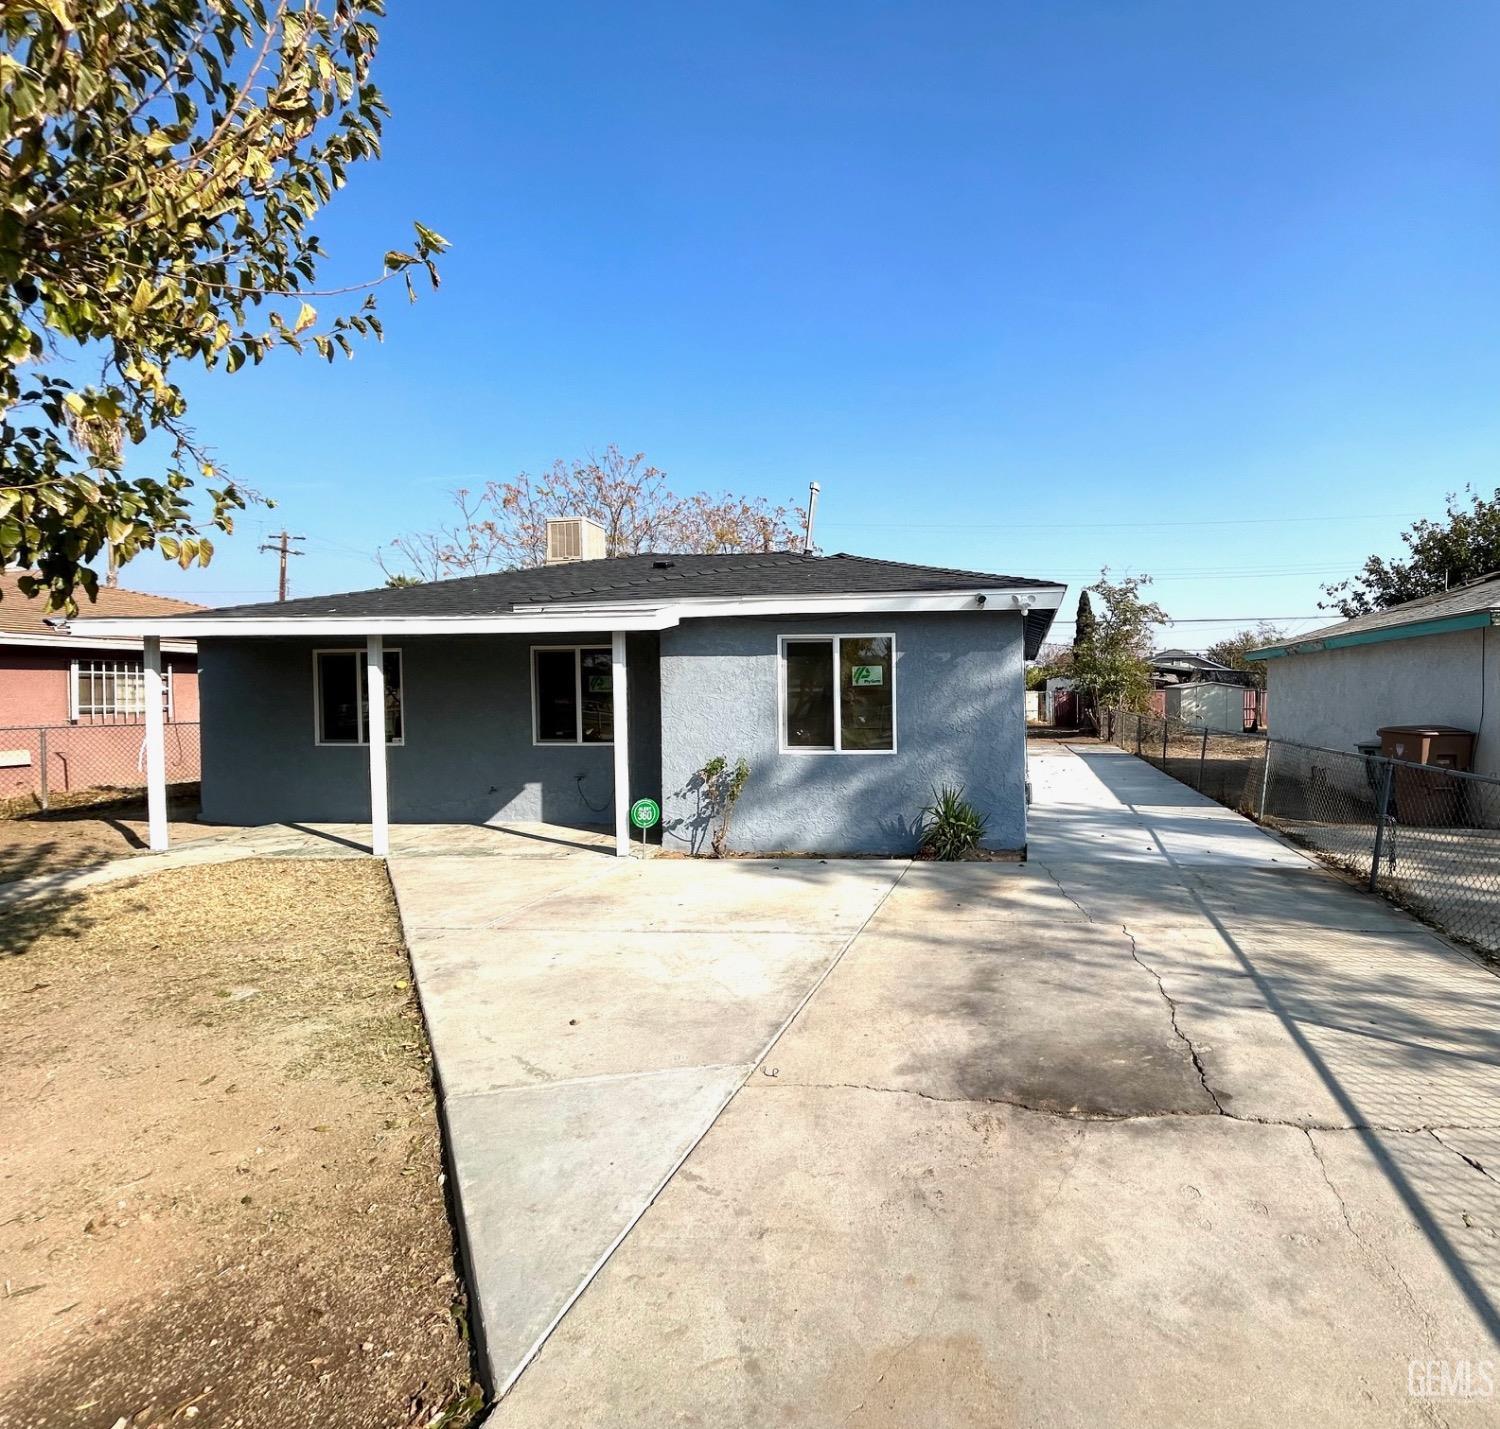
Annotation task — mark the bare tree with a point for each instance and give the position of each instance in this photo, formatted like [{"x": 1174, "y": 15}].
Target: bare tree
[{"x": 504, "y": 526}]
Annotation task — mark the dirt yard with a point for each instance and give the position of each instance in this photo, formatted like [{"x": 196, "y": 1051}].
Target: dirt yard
[
  {"x": 222, "y": 1180},
  {"x": 34, "y": 842}
]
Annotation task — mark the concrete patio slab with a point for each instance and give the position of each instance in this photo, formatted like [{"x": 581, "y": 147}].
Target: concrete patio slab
[
  {"x": 465, "y": 892},
  {"x": 671, "y": 895},
  {"x": 589, "y": 1016},
  {"x": 938, "y": 894},
  {"x": 531, "y": 1007},
  {"x": 551, "y": 1177}
]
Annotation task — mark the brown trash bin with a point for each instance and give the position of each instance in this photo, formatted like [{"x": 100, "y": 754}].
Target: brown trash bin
[{"x": 1420, "y": 799}]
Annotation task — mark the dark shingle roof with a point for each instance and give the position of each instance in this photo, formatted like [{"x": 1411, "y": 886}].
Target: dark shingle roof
[
  {"x": 649, "y": 579},
  {"x": 652, "y": 580},
  {"x": 1479, "y": 595}
]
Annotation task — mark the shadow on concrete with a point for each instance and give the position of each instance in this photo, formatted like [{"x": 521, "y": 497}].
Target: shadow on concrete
[{"x": 1411, "y": 1048}]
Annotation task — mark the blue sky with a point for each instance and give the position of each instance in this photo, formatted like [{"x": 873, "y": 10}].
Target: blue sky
[{"x": 1208, "y": 291}]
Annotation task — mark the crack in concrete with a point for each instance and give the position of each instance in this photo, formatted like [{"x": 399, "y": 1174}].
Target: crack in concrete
[
  {"x": 1372, "y": 1252},
  {"x": 1085, "y": 1117},
  {"x": 1161, "y": 987},
  {"x": 1182, "y": 1036}
]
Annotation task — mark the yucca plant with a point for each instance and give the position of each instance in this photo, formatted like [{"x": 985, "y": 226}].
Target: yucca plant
[{"x": 951, "y": 825}]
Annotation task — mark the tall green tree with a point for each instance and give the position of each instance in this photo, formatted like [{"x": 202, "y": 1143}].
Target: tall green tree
[
  {"x": 1085, "y": 624},
  {"x": 1113, "y": 667},
  {"x": 161, "y": 162},
  {"x": 1462, "y": 546}
]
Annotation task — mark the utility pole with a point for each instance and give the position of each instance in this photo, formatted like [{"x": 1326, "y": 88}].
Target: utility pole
[{"x": 282, "y": 546}]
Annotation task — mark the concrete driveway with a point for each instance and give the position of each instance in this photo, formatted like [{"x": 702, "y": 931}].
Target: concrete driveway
[
  {"x": 590, "y": 1017},
  {"x": 1165, "y": 1127}
]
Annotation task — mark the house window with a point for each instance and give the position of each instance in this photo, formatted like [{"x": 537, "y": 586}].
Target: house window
[
  {"x": 113, "y": 692},
  {"x": 572, "y": 694},
  {"x": 341, "y": 697},
  {"x": 839, "y": 693}
]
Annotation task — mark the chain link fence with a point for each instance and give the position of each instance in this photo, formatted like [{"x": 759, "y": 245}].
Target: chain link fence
[
  {"x": 48, "y": 766},
  {"x": 1427, "y": 838}
]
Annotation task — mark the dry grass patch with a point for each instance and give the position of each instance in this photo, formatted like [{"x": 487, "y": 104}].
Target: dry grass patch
[
  {"x": 86, "y": 831},
  {"x": 225, "y": 1192}
]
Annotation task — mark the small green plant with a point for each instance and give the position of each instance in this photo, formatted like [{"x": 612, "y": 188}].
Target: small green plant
[
  {"x": 951, "y": 825},
  {"x": 722, "y": 787}
]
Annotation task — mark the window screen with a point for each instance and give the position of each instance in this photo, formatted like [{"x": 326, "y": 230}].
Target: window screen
[
  {"x": 866, "y": 706},
  {"x": 391, "y": 660},
  {"x": 597, "y": 680},
  {"x": 809, "y": 694}
]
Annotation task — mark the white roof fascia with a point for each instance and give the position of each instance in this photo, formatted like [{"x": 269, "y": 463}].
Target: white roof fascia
[
  {"x": 995, "y": 600},
  {"x": 83, "y": 642},
  {"x": 348, "y": 626}
]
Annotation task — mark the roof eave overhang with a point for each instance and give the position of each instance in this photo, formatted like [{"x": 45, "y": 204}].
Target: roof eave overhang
[
  {"x": 1443, "y": 625},
  {"x": 1038, "y": 604},
  {"x": 88, "y": 642}
]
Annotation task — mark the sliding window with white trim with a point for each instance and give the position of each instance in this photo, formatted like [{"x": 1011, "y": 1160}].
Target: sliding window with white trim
[
  {"x": 572, "y": 694},
  {"x": 837, "y": 693},
  {"x": 341, "y": 698}
]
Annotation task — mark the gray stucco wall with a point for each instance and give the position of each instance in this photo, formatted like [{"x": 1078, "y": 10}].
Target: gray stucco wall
[
  {"x": 468, "y": 754},
  {"x": 960, "y": 719},
  {"x": 1336, "y": 698}
]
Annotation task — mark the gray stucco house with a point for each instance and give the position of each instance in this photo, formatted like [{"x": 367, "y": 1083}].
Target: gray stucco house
[
  {"x": 562, "y": 693},
  {"x": 1423, "y": 662}
]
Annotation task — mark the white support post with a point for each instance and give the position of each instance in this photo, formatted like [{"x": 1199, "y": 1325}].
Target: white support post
[
  {"x": 156, "y": 746},
  {"x": 380, "y": 832},
  {"x": 620, "y": 697}
]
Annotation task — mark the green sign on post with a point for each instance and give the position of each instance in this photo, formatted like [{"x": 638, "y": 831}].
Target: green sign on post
[{"x": 645, "y": 813}]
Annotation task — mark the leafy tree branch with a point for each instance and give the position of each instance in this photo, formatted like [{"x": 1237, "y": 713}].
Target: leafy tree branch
[
  {"x": 1461, "y": 547},
  {"x": 161, "y": 162}
]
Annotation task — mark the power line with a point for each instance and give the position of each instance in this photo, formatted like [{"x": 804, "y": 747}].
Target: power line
[
  {"x": 1224, "y": 619},
  {"x": 1112, "y": 525}
]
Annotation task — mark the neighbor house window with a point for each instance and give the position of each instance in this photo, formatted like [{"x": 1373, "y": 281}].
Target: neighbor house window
[
  {"x": 113, "y": 691},
  {"x": 342, "y": 696},
  {"x": 839, "y": 693},
  {"x": 572, "y": 694}
]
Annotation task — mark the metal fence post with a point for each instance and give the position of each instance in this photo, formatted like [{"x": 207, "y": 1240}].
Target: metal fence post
[
  {"x": 1138, "y": 727},
  {"x": 1265, "y": 781},
  {"x": 1202, "y": 758},
  {"x": 1166, "y": 729},
  {"x": 1380, "y": 818},
  {"x": 42, "y": 772}
]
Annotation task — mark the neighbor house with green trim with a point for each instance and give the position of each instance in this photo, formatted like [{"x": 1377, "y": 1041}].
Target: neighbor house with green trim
[{"x": 1424, "y": 662}]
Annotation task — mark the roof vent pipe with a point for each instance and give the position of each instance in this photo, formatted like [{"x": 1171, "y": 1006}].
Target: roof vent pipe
[{"x": 812, "y": 509}]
